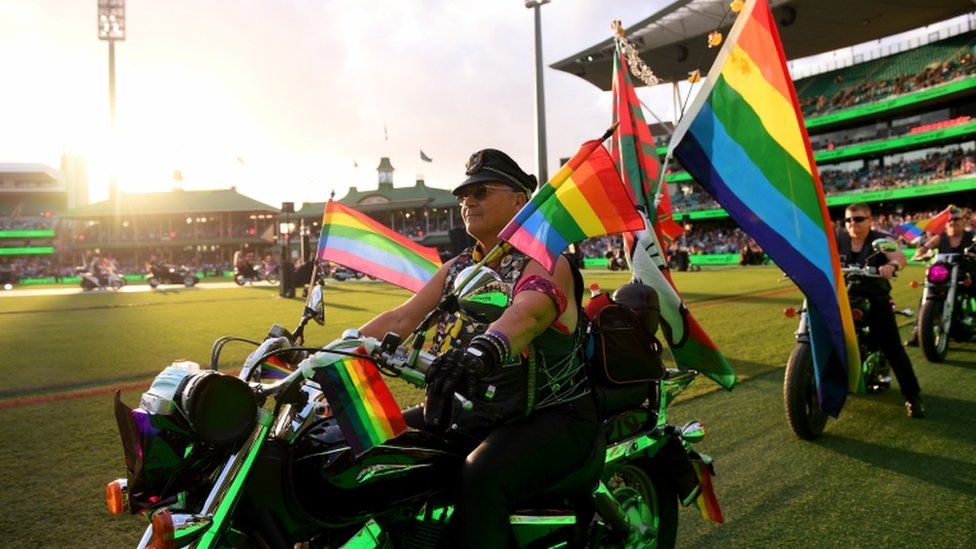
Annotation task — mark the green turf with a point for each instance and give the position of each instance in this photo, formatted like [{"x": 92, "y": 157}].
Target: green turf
[{"x": 876, "y": 479}]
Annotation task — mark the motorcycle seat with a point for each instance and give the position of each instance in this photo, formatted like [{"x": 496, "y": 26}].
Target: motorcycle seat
[{"x": 579, "y": 483}]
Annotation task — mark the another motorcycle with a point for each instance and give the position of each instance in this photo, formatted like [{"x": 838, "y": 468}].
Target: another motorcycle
[
  {"x": 256, "y": 274},
  {"x": 215, "y": 460},
  {"x": 948, "y": 309},
  {"x": 104, "y": 281},
  {"x": 170, "y": 274},
  {"x": 803, "y": 412}
]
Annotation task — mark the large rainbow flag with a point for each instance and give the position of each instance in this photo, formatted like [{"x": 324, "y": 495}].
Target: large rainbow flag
[
  {"x": 634, "y": 153},
  {"x": 361, "y": 402},
  {"x": 916, "y": 229},
  {"x": 744, "y": 141},
  {"x": 585, "y": 198},
  {"x": 354, "y": 240}
]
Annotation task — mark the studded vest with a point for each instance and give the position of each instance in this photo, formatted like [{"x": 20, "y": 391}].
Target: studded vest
[{"x": 548, "y": 372}]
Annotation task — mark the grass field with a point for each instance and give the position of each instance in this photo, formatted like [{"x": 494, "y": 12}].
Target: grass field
[{"x": 876, "y": 478}]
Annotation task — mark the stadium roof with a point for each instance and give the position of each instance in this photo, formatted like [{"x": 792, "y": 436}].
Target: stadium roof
[
  {"x": 672, "y": 41},
  {"x": 30, "y": 172},
  {"x": 386, "y": 198},
  {"x": 173, "y": 202}
]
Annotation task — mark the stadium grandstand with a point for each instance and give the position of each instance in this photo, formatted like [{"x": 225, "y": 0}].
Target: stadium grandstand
[
  {"x": 896, "y": 129},
  {"x": 30, "y": 196},
  {"x": 202, "y": 229},
  {"x": 424, "y": 214}
]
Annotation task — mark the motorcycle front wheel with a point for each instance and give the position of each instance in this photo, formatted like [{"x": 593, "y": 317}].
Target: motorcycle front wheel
[
  {"x": 239, "y": 279},
  {"x": 933, "y": 341},
  {"x": 803, "y": 411},
  {"x": 273, "y": 278},
  {"x": 646, "y": 499}
]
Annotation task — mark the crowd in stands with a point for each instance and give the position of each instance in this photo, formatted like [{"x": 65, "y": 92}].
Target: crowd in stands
[
  {"x": 212, "y": 231},
  {"x": 934, "y": 167},
  {"x": 867, "y": 91},
  {"x": 9, "y": 223}
]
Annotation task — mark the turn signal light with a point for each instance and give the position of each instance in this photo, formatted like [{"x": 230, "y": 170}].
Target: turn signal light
[
  {"x": 115, "y": 496},
  {"x": 162, "y": 535},
  {"x": 857, "y": 314},
  {"x": 913, "y": 284},
  {"x": 790, "y": 312}
]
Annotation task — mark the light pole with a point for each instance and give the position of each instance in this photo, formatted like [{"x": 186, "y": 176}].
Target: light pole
[
  {"x": 540, "y": 95},
  {"x": 111, "y": 27}
]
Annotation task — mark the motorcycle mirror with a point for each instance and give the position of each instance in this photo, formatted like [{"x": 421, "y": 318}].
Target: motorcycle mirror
[
  {"x": 481, "y": 294},
  {"x": 315, "y": 308},
  {"x": 693, "y": 431},
  {"x": 884, "y": 246}
]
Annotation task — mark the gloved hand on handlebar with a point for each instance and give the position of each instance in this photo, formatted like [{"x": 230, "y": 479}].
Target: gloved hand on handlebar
[{"x": 449, "y": 372}]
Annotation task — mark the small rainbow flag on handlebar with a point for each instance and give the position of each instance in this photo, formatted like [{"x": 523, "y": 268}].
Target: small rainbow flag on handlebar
[{"x": 361, "y": 402}]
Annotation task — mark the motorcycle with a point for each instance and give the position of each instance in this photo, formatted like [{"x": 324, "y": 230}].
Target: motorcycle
[
  {"x": 803, "y": 412},
  {"x": 256, "y": 274},
  {"x": 107, "y": 280},
  {"x": 948, "y": 309},
  {"x": 211, "y": 461},
  {"x": 171, "y": 274}
]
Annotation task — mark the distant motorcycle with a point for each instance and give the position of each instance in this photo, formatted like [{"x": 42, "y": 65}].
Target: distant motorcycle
[
  {"x": 948, "y": 307},
  {"x": 800, "y": 399},
  {"x": 104, "y": 281},
  {"x": 171, "y": 274},
  {"x": 256, "y": 274}
]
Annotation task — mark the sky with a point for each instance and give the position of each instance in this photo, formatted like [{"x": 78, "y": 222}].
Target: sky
[{"x": 283, "y": 99}]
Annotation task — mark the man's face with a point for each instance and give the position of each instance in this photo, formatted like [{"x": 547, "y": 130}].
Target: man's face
[
  {"x": 957, "y": 224},
  {"x": 487, "y": 207},
  {"x": 857, "y": 223}
]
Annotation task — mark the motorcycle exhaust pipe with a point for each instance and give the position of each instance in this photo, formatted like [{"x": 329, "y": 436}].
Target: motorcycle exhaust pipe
[{"x": 609, "y": 509}]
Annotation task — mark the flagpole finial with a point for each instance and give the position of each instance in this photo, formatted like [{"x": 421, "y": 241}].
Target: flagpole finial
[
  {"x": 617, "y": 27},
  {"x": 610, "y": 131}
]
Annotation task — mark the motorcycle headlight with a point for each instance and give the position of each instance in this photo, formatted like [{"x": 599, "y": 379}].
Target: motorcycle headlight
[
  {"x": 938, "y": 273},
  {"x": 221, "y": 409}
]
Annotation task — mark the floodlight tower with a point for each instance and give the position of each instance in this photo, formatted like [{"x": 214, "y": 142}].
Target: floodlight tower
[
  {"x": 111, "y": 27},
  {"x": 540, "y": 95}
]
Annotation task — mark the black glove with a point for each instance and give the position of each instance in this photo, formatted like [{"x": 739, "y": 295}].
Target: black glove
[
  {"x": 442, "y": 377},
  {"x": 478, "y": 360}
]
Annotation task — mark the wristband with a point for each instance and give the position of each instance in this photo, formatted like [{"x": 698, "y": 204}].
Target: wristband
[{"x": 501, "y": 341}]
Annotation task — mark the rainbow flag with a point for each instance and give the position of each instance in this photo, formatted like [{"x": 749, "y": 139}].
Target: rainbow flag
[
  {"x": 585, "y": 198},
  {"x": 744, "y": 141},
  {"x": 275, "y": 368},
  {"x": 361, "y": 402},
  {"x": 358, "y": 242},
  {"x": 634, "y": 153},
  {"x": 706, "y": 501},
  {"x": 916, "y": 229}
]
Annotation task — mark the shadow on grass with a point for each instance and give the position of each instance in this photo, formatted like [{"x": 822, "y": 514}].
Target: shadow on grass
[{"x": 946, "y": 472}]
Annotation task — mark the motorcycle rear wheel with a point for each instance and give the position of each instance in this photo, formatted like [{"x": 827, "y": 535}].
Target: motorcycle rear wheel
[
  {"x": 239, "y": 279},
  {"x": 933, "y": 341},
  {"x": 648, "y": 499},
  {"x": 189, "y": 281},
  {"x": 803, "y": 411},
  {"x": 273, "y": 278}
]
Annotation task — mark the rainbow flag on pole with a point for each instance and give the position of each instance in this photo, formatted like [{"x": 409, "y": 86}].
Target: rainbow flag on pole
[
  {"x": 916, "y": 229},
  {"x": 361, "y": 402},
  {"x": 354, "y": 240},
  {"x": 633, "y": 150},
  {"x": 744, "y": 141},
  {"x": 585, "y": 198}
]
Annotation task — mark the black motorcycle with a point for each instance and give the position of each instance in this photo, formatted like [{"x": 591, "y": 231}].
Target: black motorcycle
[
  {"x": 948, "y": 309},
  {"x": 250, "y": 275},
  {"x": 170, "y": 274},
  {"x": 803, "y": 412},
  {"x": 216, "y": 460}
]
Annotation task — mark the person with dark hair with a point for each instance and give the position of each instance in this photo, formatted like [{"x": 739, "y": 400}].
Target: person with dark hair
[
  {"x": 533, "y": 420},
  {"x": 854, "y": 247}
]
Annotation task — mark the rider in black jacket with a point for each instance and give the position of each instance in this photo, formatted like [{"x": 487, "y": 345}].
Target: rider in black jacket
[{"x": 854, "y": 247}]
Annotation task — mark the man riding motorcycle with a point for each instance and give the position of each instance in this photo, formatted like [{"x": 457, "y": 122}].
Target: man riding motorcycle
[
  {"x": 533, "y": 420},
  {"x": 854, "y": 247}
]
